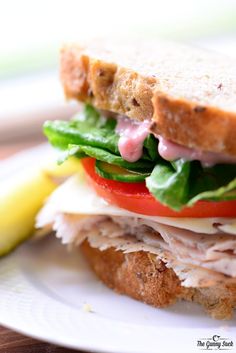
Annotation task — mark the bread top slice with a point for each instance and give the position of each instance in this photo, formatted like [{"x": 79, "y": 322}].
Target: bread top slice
[{"x": 189, "y": 93}]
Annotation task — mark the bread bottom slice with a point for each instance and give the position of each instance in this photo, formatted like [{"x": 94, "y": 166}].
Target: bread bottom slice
[{"x": 141, "y": 276}]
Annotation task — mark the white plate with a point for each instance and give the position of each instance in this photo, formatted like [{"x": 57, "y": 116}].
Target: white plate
[{"x": 44, "y": 289}]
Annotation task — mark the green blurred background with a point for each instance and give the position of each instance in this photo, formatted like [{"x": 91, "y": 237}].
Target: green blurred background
[{"x": 32, "y": 31}]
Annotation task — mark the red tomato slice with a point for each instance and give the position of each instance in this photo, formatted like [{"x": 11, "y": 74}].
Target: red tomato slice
[{"x": 135, "y": 197}]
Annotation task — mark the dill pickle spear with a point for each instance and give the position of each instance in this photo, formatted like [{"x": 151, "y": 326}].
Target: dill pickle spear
[{"x": 22, "y": 196}]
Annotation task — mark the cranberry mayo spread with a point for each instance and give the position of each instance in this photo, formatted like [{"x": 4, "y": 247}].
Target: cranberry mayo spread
[
  {"x": 170, "y": 151},
  {"x": 133, "y": 133}
]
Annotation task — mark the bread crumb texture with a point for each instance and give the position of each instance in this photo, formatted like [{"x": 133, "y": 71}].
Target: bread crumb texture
[
  {"x": 87, "y": 308},
  {"x": 189, "y": 93}
]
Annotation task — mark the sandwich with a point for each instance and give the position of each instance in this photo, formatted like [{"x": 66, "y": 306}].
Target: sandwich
[{"x": 153, "y": 205}]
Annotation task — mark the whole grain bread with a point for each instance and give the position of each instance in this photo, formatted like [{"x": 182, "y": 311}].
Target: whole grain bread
[
  {"x": 141, "y": 276},
  {"x": 189, "y": 93}
]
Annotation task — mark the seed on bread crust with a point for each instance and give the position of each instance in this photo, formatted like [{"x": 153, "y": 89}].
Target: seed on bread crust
[{"x": 199, "y": 109}]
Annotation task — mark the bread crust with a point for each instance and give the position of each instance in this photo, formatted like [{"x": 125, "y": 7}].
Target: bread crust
[
  {"x": 119, "y": 89},
  {"x": 195, "y": 126},
  {"x": 141, "y": 276},
  {"x": 106, "y": 85}
]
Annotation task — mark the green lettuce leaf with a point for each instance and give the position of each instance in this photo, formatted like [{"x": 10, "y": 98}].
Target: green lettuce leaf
[
  {"x": 150, "y": 148},
  {"x": 108, "y": 157},
  {"x": 62, "y": 133},
  {"x": 169, "y": 183},
  {"x": 181, "y": 183},
  {"x": 90, "y": 128}
]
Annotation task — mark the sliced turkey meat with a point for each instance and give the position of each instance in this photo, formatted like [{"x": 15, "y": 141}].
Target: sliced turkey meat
[{"x": 199, "y": 260}]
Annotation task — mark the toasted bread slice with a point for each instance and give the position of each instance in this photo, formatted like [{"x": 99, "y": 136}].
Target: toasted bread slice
[
  {"x": 188, "y": 92},
  {"x": 141, "y": 276}
]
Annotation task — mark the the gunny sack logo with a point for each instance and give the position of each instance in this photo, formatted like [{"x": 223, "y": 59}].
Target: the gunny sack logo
[{"x": 215, "y": 342}]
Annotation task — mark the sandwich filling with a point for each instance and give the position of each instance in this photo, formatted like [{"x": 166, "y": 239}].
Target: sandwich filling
[
  {"x": 202, "y": 252},
  {"x": 137, "y": 191},
  {"x": 175, "y": 176}
]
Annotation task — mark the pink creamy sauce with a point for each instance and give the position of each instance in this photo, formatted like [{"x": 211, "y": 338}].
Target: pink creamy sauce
[
  {"x": 133, "y": 133},
  {"x": 171, "y": 151}
]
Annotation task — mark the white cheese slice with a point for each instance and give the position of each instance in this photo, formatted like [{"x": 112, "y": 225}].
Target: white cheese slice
[
  {"x": 76, "y": 196},
  {"x": 229, "y": 228}
]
